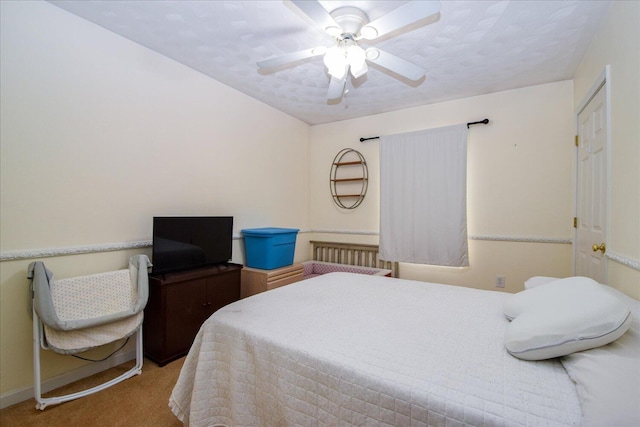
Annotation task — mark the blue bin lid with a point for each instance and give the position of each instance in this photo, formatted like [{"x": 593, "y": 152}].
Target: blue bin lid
[{"x": 268, "y": 231}]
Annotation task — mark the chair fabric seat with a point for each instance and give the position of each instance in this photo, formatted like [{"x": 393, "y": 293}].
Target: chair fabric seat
[
  {"x": 87, "y": 297},
  {"x": 79, "y": 340}
]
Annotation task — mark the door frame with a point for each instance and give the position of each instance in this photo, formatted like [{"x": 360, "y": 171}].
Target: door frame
[{"x": 603, "y": 80}]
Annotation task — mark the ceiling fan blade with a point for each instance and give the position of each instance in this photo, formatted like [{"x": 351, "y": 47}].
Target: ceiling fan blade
[
  {"x": 336, "y": 88},
  {"x": 277, "y": 61},
  {"x": 317, "y": 13},
  {"x": 402, "y": 16},
  {"x": 393, "y": 63}
]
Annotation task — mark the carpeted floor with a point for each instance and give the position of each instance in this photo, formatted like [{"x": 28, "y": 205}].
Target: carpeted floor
[{"x": 139, "y": 401}]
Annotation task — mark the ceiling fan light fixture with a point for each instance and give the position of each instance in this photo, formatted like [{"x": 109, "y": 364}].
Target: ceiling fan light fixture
[
  {"x": 336, "y": 61},
  {"x": 356, "y": 60},
  {"x": 359, "y": 71}
]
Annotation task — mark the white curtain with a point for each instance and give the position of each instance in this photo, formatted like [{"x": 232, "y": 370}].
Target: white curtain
[{"x": 423, "y": 197}]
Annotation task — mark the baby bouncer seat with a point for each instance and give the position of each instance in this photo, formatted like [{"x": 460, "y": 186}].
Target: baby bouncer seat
[{"x": 80, "y": 313}]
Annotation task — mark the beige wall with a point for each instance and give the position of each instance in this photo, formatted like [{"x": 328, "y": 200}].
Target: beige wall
[
  {"x": 99, "y": 135},
  {"x": 617, "y": 44},
  {"x": 520, "y": 170}
]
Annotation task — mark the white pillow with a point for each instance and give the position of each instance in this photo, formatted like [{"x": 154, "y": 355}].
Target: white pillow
[
  {"x": 562, "y": 317},
  {"x": 537, "y": 281},
  {"x": 608, "y": 378}
]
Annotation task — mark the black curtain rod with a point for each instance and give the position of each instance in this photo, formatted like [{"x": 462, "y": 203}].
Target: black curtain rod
[
  {"x": 481, "y": 122},
  {"x": 366, "y": 139}
]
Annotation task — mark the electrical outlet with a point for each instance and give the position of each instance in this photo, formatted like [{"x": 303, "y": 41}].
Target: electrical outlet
[{"x": 499, "y": 281}]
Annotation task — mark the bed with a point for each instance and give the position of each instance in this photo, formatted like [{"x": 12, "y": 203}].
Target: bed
[
  {"x": 352, "y": 254},
  {"x": 352, "y": 349},
  {"x": 317, "y": 268}
]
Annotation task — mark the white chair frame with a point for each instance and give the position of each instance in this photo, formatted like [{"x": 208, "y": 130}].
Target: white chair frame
[{"x": 39, "y": 342}]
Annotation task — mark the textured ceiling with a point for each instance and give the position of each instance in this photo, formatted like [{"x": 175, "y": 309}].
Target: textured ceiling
[{"x": 472, "y": 48}]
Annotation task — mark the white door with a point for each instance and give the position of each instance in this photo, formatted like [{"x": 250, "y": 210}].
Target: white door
[{"x": 591, "y": 195}]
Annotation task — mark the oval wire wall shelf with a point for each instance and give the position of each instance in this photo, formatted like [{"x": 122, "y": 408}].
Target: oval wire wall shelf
[{"x": 357, "y": 173}]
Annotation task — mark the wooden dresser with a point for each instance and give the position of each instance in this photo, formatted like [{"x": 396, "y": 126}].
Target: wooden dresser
[
  {"x": 255, "y": 280},
  {"x": 178, "y": 305}
]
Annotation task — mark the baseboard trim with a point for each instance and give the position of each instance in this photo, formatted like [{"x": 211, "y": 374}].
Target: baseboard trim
[{"x": 25, "y": 393}]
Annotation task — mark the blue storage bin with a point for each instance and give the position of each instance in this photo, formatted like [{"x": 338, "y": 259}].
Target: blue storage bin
[{"x": 269, "y": 248}]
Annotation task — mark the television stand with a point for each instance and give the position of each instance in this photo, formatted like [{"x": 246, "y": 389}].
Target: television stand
[{"x": 178, "y": 305}]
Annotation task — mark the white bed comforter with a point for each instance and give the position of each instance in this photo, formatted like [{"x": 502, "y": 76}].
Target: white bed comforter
[{"x": 350, "y": 349}]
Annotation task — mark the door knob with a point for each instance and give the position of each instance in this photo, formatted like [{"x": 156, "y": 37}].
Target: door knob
[{"x": 600, "y": 248}]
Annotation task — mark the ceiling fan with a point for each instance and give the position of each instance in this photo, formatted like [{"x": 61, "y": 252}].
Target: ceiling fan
[{"x": 348, "y": 25}]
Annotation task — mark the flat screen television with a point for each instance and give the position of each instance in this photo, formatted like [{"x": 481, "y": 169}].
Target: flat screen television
[{"x": 183, "y": 243}]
